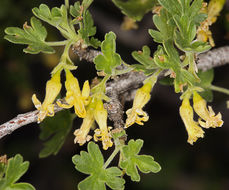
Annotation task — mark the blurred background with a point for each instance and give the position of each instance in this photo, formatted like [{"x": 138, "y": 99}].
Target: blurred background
[{"x": 203, "y": 166}]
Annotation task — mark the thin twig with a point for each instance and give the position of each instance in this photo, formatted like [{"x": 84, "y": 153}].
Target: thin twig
[
  {"x": 117, "y": 87},
  {"x": 214, "y": 58}
]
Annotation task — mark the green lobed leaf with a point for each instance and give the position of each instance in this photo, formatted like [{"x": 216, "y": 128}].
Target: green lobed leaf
[
  {"x": 194, "y": 9},
  {"x": 195, "y": 46},
  {"x": 15, "y": 169},
  {"x": 109, "y": 59},
  {"x": 55, "y": 17},
  {"x": 86, "y": 3},
  {"x": 172, "y": 6},
  {"x": 147, "y": 64},
  {"x": 161, "y": 59},
  {"x": 135, "y": 9},
  {"x": 88, "y": 30},
  {"x": 55, "y": 130},
  {"x": 34, "y": 36},
  {"x": 131, "y": 160},
  {"x": 75, "y": 9},
  {"x": 91, "y": 163},
  {"x": 156, "y": 35},
  {"x": 165, "y": 26}
]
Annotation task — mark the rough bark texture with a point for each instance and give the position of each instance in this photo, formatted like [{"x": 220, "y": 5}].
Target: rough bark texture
[{"x": 214, "y": 58}]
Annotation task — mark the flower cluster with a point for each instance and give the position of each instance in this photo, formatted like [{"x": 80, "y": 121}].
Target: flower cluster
[
  {"x": 74, "y": 97},
  {"x": 207, "y": 117},
  {"x": 91, "y": 109},
  {"x": 95, "y": 112},
  {"x": 212, "y": 10}
]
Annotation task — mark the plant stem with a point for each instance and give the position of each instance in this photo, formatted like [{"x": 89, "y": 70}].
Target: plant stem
[
  {"x": 66, "y": 3},
  {"x": 219, "y": 89},
  {"x": 116, "y": 151},
  {"x": 60, "y": 43}
]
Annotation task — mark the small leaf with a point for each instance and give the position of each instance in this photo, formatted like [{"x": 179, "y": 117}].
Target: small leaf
[
  {"x": 109, "y": 59},
  {"x": 157, "y": 36},
  {"x": 75, "y": 10},
  {"x": 195, "y": 8},
  {"x": 57, "y": 128},
  {"x": 55, "y": 17},
  {"x": 135, "y": 9},
  {"x": 172, "y": 6},
  {"x": 131, "y": 160},
  {"x": 15, "y": 169},
  {"x": 86, "y": 3},
  {"x": 91, "y": 163},
  {"x": 147, "y": 64},
  {"x": 164, "y": 24},
  {"x": 33, "y": 36},
  {"x": 88, "y": 29},
  {"x": 195, "y": 46},
  {"x": 94, "y": 42}
]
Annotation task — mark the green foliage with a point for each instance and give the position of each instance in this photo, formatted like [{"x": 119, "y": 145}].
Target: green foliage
[
  {"x": 147, "y": 64},
  {"x": 187, "y": 17},
  {"x": 109, "y": 59},
  {"x": 206, "y": 80},
  {"x": 76, "y": 10},
  {"x": 92, "y": 163},
  {"x": 135, "y": 9},
  {"x": 89, "y": 30},
  {"x": 165, "y": 26},
  {"x": 84, "y": 18},
  {"x": 34, "y": 36},
  {"x": 55, "y": 131},
  {"x": 55, "y": 17},
  {"x": 131, "y": 160},
  {"x": 13, "y": 171}
]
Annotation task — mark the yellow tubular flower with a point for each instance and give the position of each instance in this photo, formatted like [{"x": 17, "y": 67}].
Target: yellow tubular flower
[
  {"x": 136, "y": 114},
  {"x": 53, "y": 87},
  {"x": 192, "y": 127},
  {"x": 103, "y": 133},
  {"x": 74, "y": 96},
  {"x": 214, "y": 8},
  {"x": 207, "y": 114},
  {"x": 203, "y": 32},
  {"x": 82, "y": 133}
]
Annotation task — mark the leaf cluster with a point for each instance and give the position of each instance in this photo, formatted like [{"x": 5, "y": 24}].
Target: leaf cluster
[
  {"x": 59, "y": 17},
  {"x": 92, "y": 163},
  {"x": 109, "y": 59},
  {"x": 176, "y": 26},
  {"x": 131, "y": 160},
  {"x": 12, "y": 172}
]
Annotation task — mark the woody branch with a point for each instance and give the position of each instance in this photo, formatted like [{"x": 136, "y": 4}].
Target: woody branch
[{"x": 118, "y": 87}]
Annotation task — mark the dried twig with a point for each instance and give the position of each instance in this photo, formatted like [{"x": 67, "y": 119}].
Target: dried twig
[
  {"x": 214, "y": 58},
  {"x": 117, "y": 87}
]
